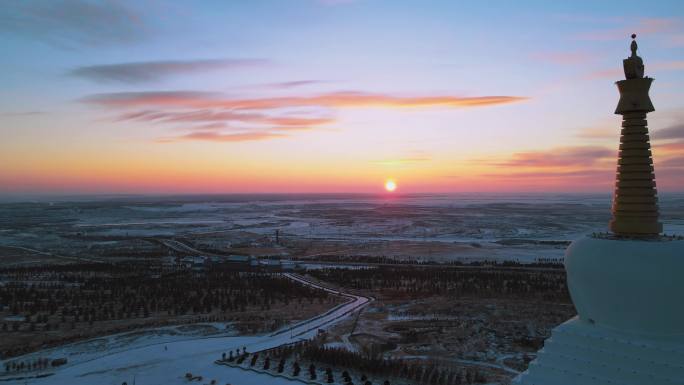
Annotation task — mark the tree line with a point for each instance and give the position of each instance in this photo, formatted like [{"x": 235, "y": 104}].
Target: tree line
[
  {"x": 418, "y": 282},
  {"x": 65, "y": 297},
  {"x": 325, "y": 364}
]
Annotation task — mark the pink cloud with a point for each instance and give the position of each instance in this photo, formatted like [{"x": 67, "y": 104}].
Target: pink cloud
[
  {"x": 592, "y": 166},
  {"x": 564, "y": 58},
  {"x": 645, "y": 26},
  {"x": 672, "y": 132},
  {"x": 674, "y": 65},
  {"x": 617, "y": 73},
  {"x": 599, "y": 132},
  {"x": 226, "y": 116},
  {"x": 613, "y": 73},
  {"x": 580, "y": 156},
  {"x": 185, "y": 99},
  {"x": 262, "y": 118},
  {"x": 676, "y": 40},
  {"x": 293, "y": 84},
  {"x": 210, "y": 136},
  {"x": 402, "y": 161},
  {"x": 670, "y": 147},
  {"x": 673, "y": 162},
  {"x": 605, "y": 174}
]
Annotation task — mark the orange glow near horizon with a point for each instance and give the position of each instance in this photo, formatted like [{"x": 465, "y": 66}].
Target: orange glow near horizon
[
  {"x": 142, "y": 108},
  {"x": 207, "y": 171}
]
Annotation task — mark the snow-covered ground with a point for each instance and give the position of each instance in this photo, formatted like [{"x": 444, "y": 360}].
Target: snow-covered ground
[
  {"x": 164, "y": 359},
  {"x": 465, "y": 227}
]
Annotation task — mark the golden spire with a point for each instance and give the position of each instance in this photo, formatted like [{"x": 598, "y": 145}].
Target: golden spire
[{"x": 635, "y": 202}]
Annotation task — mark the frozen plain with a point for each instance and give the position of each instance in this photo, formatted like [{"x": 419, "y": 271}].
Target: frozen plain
[{"x": 164, "y": 360}]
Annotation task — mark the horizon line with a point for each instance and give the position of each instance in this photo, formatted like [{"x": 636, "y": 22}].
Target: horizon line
[{"x": 58, "y": 197}]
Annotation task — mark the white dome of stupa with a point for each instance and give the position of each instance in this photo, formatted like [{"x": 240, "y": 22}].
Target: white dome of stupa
[{"x": 627, "y": 285}]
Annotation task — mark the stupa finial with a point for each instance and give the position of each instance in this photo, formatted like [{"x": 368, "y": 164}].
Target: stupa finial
[
  {"x": 633, "y": 46},
  {"x": 633, "y": 65}
]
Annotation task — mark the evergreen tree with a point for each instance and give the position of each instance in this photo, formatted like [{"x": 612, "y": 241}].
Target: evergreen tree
[{"x": 312, "y": 372}]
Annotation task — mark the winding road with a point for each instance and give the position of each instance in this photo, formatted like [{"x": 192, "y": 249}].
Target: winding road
[{"x": 167, "y": 362}]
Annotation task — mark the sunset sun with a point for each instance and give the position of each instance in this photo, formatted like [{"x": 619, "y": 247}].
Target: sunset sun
[{"x": 390, "y": 185}]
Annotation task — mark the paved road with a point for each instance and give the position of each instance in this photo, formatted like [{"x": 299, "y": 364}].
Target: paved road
[
  {"x": 49, "y": 254},
  {"x": 182, "y": 247},
  {"x": 334, "y": 264},
  {"x": 167, "y": 363}
]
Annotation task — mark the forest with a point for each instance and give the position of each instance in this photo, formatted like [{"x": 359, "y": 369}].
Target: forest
[
  {"x": 411, "y": 282},
  {"x": 58, "y": 301}
]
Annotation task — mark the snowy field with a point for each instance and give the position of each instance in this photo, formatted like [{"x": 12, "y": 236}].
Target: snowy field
[
  {"x": 463, "y": 226},
  {"x": 162, "y": 356}
]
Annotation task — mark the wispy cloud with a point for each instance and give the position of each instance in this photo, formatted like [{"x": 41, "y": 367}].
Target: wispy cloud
[
  {"x": 672, "y": 132},
  {"x": 401, "y": 161},
  {"x": 343, "y": 99},
  {"x": 651, "y": 67},
  {"x": 644, "y": 26},
  {"x": 673, "y": 65},
  {"x": 579, "y": 156},
  {"x": 73, "y": 22},
  {"x": 564, "y": 58},
  {"x": 677, "y": 162},
  {"x": 225, "y": 116},
  {"x": 670, "y": 147},
  {"x": 211, "y": 136},
  {"x": 150, "y": 71},
  {"x": 336, "y": 2},
  {"x": 150, "y": 98},
  {"x": 599, "y": 133},
  {"x": 22, "y": 113},
  {"x": 590, "y": 165},
  {"x": 676, "y": 40},
  {"x": 294, "y": 84},
  {"x": 262, "y": 118},
  {"x": 512, "y": 174},
  {"x": 613, "y": 73}
]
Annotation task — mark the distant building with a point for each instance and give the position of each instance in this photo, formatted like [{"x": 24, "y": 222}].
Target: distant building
[
  {"x": 269, "y": 263},
  {"x": 195, "y": 263},
  {"x": 287, "y": 264},
  {"x": 239, "y": 258},
  {"x": 14, "y": 318},
  {"x": 171, "y": 264},
  {"x": 274, "y": 264}
]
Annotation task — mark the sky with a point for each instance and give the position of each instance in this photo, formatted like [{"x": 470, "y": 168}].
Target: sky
[{"x": 288, "y": 96}]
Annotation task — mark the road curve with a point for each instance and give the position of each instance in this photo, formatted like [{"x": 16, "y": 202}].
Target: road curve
[
  {"x": 355, "y": 302},
  {"x": 167, "y": 363}
]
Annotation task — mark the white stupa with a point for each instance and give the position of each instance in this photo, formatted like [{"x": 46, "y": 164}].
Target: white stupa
[{"x": 627, "y": 285}]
